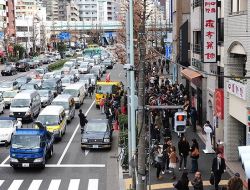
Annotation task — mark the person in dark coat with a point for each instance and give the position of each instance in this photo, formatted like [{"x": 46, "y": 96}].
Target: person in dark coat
[
  {"x": 182, "y": 184},
  {"x": 197, "y": 181},
  {"x": 184, "y": 149},
  {"x": 194, "y": 155},
  {"x": 193, "y": 116},
  {"x": 83, "y": 120},
  {"x": 218, "y": 168}
]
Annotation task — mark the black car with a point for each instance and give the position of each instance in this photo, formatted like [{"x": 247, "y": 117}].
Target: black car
[
  {"x": 23, "y": 65},
  {"x": 9, "y": 69},
  {"x": 97, "y": 134}
]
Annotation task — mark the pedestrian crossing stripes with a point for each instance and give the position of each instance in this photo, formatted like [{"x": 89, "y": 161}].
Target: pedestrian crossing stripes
[{"x": 55, "y": 184}]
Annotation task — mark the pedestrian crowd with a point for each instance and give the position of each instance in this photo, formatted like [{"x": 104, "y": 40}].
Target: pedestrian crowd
[{"x": 166, "y": 158}]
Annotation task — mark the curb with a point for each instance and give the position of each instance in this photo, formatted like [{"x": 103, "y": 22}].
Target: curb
[{"x": 121, "y": 180}]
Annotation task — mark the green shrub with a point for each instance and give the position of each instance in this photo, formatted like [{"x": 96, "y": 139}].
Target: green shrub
[{"x": 57, "y": 65}]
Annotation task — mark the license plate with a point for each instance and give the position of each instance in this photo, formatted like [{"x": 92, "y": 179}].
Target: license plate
[
  {"x": 95, "y": 146},
  {"x": 25, "y": 165}
]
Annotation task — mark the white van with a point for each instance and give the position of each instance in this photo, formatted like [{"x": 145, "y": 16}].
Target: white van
[
  {"x": 26, "y": 105},
  {"x": 77, "y": 90},
  {"x": 68, "y": 103}
]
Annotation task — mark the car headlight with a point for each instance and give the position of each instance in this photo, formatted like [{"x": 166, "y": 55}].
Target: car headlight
[
  {"x": 11, "y": 113},
  {"x": 38, "y": 160},
  {"x": 84, "y": 140},
  {"x": 13, "y": 160},
  {"x": 106, "y": 140},
  {"x": 28, "y": 113}
]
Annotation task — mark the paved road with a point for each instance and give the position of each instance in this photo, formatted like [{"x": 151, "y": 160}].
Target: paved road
[{"x": 70, "y": 167}]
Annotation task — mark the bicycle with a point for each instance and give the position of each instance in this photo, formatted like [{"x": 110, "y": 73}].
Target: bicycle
[{"x": 123, "y": 156}]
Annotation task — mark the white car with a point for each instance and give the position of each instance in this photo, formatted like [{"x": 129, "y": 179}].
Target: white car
[
  {"x": 84, "y": 68},
  {"x": 49, "y": 75},
  {"x": 8, "y": 126}
]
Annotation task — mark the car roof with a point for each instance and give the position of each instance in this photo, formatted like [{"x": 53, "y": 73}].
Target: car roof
[
  {"x": 51, "y": 110},
  {"x": 29, "y": 131},
  {"x": 25, "y": 94},
  {"x": 7, "y": 118},
  {"x": 74, "y": 86},
  {"x": 62, "y": 97}
]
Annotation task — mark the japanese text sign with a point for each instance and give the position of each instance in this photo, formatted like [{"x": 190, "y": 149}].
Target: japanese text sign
[
  {"x": 236, "y": 88},
  {"x": 210, "y": 31},
  {"x": 219, "y": 103}
]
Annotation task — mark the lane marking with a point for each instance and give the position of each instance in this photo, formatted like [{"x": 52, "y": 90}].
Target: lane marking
[
  {"x": 54, "y": 184},
  {"x": 5, "y": 160},
  {"x": 86, "y": 152},
  {"x": 74, "y": 184},
  {"x": 93, "y": 184},
  {"x": 15, "y": 185},
  {"x": 72, "y": 137},
  {"x": 66, "y": 166},
  {"x": 1, "y": 182},
  {"x": 35, "y": 184}
]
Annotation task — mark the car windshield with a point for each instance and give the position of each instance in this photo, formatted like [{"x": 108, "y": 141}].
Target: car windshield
[
  {"x": 65, "y": 105},
  {"x": 104, "y": 89},
  {"x": 48, "y": 85},
  {"x": 96, "y": 127},
  {"x": 83, "y": 66},
  {"x": 66, "y": 80},
  {"x": 48, "y": 119},
  {"x": 9, "y": 94},
  {"x": 26, "y": 141},
  {"x": 28, "y": 87},
  {"x": 6, "y": 123},
  {"x": 43, "y": 93},
  {"x": 21, "y": 80},
  {"x": 40, "y": 71},
  {"x": 6, "y": 84},
  {"x": 20, "y": 103},
  {"x": 72, "y": 92}
]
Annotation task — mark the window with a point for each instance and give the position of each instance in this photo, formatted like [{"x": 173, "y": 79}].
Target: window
[
  {"x": 197, "y": 42},
  {"x": 221, "y": 30},
  {"x": 238, "y": 6}
]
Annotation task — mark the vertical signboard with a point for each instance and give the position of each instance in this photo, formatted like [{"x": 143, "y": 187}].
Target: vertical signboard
[{"x": 210, "y": 31}]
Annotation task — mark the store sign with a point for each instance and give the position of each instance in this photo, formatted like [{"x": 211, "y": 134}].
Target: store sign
[
  {"x": 210, "y": 31},
  {"x": 219, "y": 103},
  {"x": 236, "y": 88}
]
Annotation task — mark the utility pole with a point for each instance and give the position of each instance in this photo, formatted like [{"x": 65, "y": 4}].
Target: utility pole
[{"x": 141, "y": 185}]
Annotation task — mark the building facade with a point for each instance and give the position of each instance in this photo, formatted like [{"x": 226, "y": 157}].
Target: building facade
[
  {"x": 68, "y": 11},
  {"x": 236, "y": 65}
]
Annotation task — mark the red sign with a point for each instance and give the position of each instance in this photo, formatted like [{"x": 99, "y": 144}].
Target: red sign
[
  {"x": 219, "y": 103},
  {"x": 210, "y": 31}
]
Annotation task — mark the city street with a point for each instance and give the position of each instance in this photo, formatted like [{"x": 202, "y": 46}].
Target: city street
[{"x": 70, "y": 167}]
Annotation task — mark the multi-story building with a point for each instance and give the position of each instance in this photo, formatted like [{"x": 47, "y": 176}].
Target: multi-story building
[
  {"x": 237, "y": 66},
  {"x": 11, "y": 21},
  {"x": 68, "y": 11},
  {"x": 180, "y": 51},
  {"x": 52, "y": 9},
  {"x": 26, "y": 8},
  {"x": 99, "y": 10}
]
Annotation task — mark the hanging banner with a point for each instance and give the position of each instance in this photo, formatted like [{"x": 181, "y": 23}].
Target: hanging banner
[
  {"x": 210, "y": 31},
  {"x": 219, "y": 103}
]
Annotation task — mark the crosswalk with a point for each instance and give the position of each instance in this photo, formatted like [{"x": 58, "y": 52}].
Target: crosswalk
[{"x": 55, "y": 184}]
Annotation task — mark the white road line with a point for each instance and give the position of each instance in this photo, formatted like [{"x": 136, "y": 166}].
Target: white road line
[
  {"x": 66, "y": 166},
  {"x": 74, "y": 184},
  {"x": 72, "y": 137},
  {"x": 1, "y": 182},
  {"x": 5, "y": 160},
  {"x": 86, "y": 152},
  {"x": 54, "y": 184},
  {"x": 35, "y": 184},
  {"x": 93, "y": 184},
  {"x": 15, "y": 185}
]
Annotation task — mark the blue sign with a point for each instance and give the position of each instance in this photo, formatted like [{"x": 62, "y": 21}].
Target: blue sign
[
  {"x": 64, "y": 36},
  {"x": 1, "y": 35},
  {"x": 168, "y": 52}
]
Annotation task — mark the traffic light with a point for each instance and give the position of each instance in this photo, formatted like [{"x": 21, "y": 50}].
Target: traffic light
[{"x": 180, "y": 121}]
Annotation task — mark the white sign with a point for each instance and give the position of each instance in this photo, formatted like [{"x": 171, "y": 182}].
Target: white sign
[
  {"x": 236, "y": 88},
  {"x": 210, "y": 31}
]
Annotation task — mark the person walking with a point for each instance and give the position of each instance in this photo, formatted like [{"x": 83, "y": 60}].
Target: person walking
[
  {"x": 195, "y": 154},
  {"x": 182, "y": 184},
  {"x": 165, "y": 158},
  {"x": 158, "y": 162},
  {"x": 83, "y": 120},
  {"x": 218, "y": 168},
  {"x": 102, "y": 103},
  {"x": 197, "y": 182},
  {"x": 193, "y": 116},
  {"x": 173, "y": 160},
  {"x": 184, "y": 149},
  {"x": 235, "y": 183}
]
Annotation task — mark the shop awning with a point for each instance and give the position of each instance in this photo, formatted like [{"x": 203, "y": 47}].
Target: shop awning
[{"x": 190, "y": 74}]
